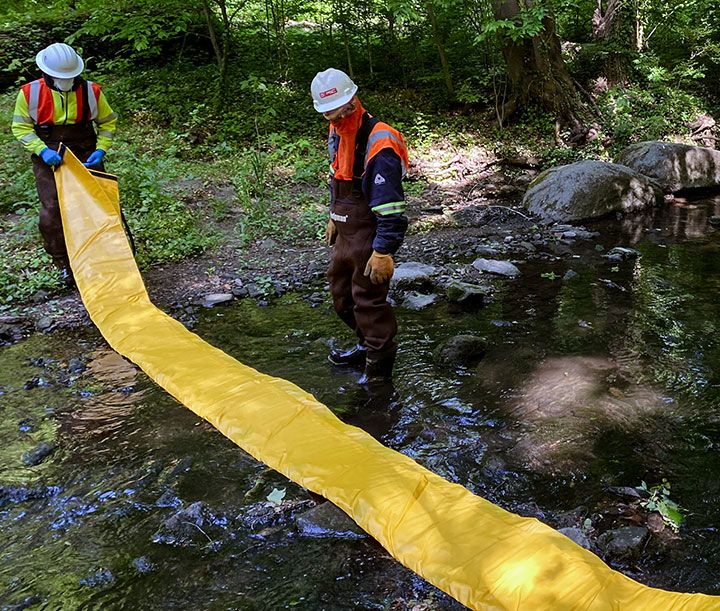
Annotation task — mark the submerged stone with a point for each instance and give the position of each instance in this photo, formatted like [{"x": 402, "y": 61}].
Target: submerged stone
[
  {"x": 101, "y": 577},
  {"x": 466, "y": 293},
  {"x": 623, "y": 542},
  {"x": 620, "y": 253},
  {"x": 578, "y": 535},
  {"x": 328, "y": 521},
  {"x": 418, "y": 301},
  {"x": 461, "y": 350},
  {"x": 38, "y": 454}
]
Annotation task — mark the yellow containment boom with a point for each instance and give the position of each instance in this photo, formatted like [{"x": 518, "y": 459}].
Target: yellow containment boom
[{"x": 480, "y": 554}]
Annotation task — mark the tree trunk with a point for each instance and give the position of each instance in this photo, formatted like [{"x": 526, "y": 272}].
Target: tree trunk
[
  {"x": 537, "y": 74},
  {"x": 617, "y": 28},
  {"x": 220, "y": 39},
  {"x": 440, "y": 44}
]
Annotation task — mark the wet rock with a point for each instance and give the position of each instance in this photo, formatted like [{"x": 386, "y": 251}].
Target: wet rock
[
  {"x": 623, "y": 542},
  {"x": 502, "y": 323},
  {"x": 487, "y": 251},
  {"x": 327, "y": 521},
  {"x": 190, "y": 526},
  {"x": 715, "y": 221},
  {"x": 418, "y": 301},
  {"x": 27, "y": 425},
  {"x": 589, "y": 189},
  {"x": 570, "y": 274},
  {"x": 143, "y": 565},
  {"x": 254, "y": 291},
  {"x": 239, "y": 291},
  {"x": 101, "y": 577},
  {"x": 412, "y": 275},
  {"x": 493, "y": 266},
  {"x": 213, "y": 299},
  {"x": 578, "y": 535},
  {"x": 40, "y": 296},
  {"x": 466, "y": 293},
  {"x": 25, "y": 603},
  {"x": 168, "y": 499},
  {"x": 461, "y": 350},
  {"x": 76, "y": 365},
  {"x": 38, "y": 454},
  {"x": 528, "y": 246},
  {"x": 10, "y": 495},
  {"x": 9, "y": 334},
  {"x": 44, "y": 323},
  {"x": 620, "y": 253},
  {"x": 674, "y": 166},
  {"x": 258, "y": 516}
]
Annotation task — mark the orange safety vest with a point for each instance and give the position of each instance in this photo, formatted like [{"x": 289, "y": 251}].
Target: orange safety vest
[
  {"x": 41, "y": 106},
  {"x": 381, "y": 136}
]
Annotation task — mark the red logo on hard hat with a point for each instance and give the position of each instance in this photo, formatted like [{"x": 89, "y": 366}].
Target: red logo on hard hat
[{"x": 324, "y": 94}]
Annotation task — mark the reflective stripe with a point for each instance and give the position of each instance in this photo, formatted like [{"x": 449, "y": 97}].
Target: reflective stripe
[
  {"x": 375, "y": 136},
  {"x": 29, "y": 137},
  {"x": 110, "y": 117},
  {"x": 21, "y": 119},
  {"x": 384, "y": 133},
  {"x": 92, "y": 101},
  {"x": 390, "y": 208},
  {"x": 34, "y": 100},
  {"x": 102, "y": 134}
]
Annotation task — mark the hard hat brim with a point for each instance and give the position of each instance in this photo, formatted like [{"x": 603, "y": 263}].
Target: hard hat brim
[
  {"x": 57, "y": 74},
  {"x": 336, "y": 103}
]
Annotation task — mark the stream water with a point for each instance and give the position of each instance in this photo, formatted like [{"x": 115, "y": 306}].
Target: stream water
[{"x": 590, "y": 384}]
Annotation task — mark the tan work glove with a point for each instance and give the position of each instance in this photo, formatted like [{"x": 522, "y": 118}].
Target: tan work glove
[
  {"x": 330, "y": 233},
  {"x": 379, "y": 267}
]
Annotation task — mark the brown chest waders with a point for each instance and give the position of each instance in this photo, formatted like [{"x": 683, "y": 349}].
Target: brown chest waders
[
  {"x": 80, "y": 138},
  {"x": 359, "y": 303}
]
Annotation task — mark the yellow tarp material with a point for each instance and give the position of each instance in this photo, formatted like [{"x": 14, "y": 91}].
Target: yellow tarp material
[{"x": 482, "y": 555}]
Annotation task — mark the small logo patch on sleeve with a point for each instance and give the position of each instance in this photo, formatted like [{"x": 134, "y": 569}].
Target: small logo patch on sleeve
[{"x": 379, "y": 179}]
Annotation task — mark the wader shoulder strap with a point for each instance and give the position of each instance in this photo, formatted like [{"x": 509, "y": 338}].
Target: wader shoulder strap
[
  {"x": 85, "y": 92},
  {"x": 361, "y": 140}
]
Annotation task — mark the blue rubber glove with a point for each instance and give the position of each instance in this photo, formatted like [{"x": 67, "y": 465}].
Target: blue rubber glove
[
  {"x": 52, "y": 158},
  {"x": 95, "y": 158}
]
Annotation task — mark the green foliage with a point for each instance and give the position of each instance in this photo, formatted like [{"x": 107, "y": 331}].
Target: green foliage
[
  {"x": 527, "y": 24},
  {"x": 652, "y": 112},
  {"x": 26, "y": 269},
  {"x": 165, "y": 228},
  {"x": 659, "y": 500},
  {"x": 140, "y": 25}
]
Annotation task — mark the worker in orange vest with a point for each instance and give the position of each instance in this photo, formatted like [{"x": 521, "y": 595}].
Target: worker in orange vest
[
  {"x": 61, "y": 107},
  {"x": 367, "y": 222}
]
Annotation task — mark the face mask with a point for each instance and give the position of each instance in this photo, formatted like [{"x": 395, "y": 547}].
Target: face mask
[{"x": 63, "y": 84}]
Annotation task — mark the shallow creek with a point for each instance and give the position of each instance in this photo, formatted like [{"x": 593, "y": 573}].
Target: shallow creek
[{"x": 590, "y": 384}]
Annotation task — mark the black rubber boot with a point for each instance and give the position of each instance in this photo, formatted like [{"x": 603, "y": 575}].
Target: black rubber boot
[
  {"x": 355, "y": 357},
  {"x": 379, "y": 367}
]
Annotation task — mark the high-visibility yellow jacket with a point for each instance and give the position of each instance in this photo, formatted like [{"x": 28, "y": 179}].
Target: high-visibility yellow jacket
[{"x": 38, "y": 104}]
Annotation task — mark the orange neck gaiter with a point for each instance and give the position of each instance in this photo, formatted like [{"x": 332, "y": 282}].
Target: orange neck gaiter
[{"x": 347, "y": 128}]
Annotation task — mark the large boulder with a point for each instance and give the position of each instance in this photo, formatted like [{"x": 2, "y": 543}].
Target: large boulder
[
  {"x": 589, "y": 189},
  {"x": 674, "y": 166}
]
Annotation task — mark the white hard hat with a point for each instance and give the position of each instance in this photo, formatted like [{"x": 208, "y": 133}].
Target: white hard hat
[
  {"x": 331, "y": 89},
  {"x": 60, "y": 61}
]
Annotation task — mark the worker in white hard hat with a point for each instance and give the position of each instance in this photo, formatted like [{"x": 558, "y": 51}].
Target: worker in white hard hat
[
  {"x": 61, "y": 107},
  {"x": 367, "y": 222}
]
